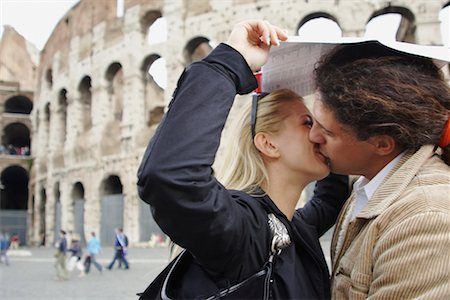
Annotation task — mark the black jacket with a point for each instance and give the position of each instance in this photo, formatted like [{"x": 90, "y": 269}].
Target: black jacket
[{"x": 227, "y": 231}]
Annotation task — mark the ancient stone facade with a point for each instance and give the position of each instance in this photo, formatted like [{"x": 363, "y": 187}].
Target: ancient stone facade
[
  {"x": 18, "y": 63},
  {"x": 96, "y": 106}
]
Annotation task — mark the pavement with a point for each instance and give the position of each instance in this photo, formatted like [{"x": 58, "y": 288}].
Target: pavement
[{"x": 31, "y": 275}]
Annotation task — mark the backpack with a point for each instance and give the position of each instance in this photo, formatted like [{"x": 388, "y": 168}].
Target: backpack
[{"x": 167, "y": 284}]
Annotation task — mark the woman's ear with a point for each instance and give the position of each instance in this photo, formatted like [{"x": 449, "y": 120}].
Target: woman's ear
[{"x": 265, "y": 145}]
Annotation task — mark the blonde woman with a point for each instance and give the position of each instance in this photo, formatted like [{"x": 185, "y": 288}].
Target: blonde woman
[{"x": 227, "y": 230}]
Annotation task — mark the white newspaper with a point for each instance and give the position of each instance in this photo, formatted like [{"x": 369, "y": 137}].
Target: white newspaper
[{"x": 291, "y": 64}]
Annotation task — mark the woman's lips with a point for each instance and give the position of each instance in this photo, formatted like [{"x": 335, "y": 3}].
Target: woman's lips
[{"x": 322, "y": 157}]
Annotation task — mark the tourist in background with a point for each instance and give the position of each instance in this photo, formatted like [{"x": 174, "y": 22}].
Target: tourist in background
[
  {"x": 93, "y": 248},
  {"x": 4, "y": 246},
  {"x": 120, "y": 250},
  {"x": 75, "y": 259},
  {"x": 60, "y": 255}
]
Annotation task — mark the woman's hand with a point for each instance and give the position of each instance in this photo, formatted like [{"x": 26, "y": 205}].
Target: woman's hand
[{"x": 253, "y": 38}]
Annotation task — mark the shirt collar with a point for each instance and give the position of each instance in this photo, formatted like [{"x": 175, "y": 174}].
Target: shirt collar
[{"x": 371, "y": 186}]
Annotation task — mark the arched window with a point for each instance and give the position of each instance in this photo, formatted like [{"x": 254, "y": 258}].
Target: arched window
[
  {"x": 114, "y": 77},
  {"x": 16, "y": 136},
  {"x": 85, "y": 99},
  {"x": 47, "y": 122},
  {"x": 157, "y": 32},
  {"x": 154, "y": 74},
  {"x": 18, "y": 105},
  {"x": 392, "y": 23},
  {"x": 78, "y": 209},
  {"x": 319, "y": 27},
  {"x": 196, "y": 49},
  {"x": 112, "y": 185},
  {"x": 62, "y": 114},
  {"x": 14, "y": 188},
  {"x": 154, "y": 26},
  {"x": 49, "y": 78}
]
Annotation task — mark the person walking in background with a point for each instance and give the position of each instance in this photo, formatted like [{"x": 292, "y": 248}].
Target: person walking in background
[
  {"x": 121, "y": 249},
  {"x": 93, "y": 248},
  {"x": 15, "y": 240},
  {"x": 77, "y": 254},
  {"x": 60, "y": 255},
  {"x": 4, "y": 246}
]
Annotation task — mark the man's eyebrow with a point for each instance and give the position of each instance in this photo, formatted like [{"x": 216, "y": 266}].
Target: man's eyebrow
[{"x": 323, "y": 128}]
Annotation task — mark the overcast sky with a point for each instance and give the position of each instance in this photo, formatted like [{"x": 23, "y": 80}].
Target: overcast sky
[
  {"x": 33, "y": 19},
  {"x": 36, "y": 19}
]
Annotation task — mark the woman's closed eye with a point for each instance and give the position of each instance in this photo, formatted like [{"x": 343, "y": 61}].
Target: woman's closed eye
[{"x": 308, "y": 122}]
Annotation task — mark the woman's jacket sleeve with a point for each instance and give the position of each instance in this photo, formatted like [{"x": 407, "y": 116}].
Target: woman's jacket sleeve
[
  {"x": 175, "y": 176},
  {"x": 323, "y": 209}
]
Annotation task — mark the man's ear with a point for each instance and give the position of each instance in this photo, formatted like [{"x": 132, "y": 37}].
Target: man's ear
[
  {"x": 263, "y": 142},
  {"x": 384, "y": 144}
]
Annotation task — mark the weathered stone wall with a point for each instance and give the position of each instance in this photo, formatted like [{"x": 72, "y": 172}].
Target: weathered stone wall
[{"x": 90, "y": 42}]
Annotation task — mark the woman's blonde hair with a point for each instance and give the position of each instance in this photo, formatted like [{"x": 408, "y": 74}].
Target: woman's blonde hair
[{"x": 242, "y": 167}]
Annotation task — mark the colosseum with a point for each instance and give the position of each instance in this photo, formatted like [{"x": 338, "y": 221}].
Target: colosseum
[{"x": 76, "y": 117}]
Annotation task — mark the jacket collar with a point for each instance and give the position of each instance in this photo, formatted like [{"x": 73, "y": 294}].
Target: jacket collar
[{"x": 396, "y": 181}]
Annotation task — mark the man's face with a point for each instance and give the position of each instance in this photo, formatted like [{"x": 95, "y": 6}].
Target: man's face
[{"x": 345, "y": 152}]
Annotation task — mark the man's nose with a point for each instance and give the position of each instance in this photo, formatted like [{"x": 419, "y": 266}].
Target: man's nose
[{"x": 315, "y": 135}]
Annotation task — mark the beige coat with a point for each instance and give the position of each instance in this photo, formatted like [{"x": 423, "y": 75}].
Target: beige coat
[{"x": 399, "y": 246}]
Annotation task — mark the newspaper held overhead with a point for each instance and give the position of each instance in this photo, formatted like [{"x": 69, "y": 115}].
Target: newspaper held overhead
[{"x": 291, "y": 64}]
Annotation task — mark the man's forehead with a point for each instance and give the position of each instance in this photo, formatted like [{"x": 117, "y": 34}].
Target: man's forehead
[{"x": 326, "y": 118}]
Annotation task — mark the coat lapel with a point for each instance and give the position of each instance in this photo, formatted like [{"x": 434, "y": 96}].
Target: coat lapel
[{"x": 386, "y": 194}]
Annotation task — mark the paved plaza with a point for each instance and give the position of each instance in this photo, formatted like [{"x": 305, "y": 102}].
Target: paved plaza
[{"x": 31, "y": 275}]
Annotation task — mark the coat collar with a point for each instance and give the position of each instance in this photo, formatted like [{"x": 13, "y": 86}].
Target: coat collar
[{"x": 396, "y": 181}]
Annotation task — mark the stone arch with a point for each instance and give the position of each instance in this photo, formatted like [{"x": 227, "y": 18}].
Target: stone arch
[
  {"x": 49, "y": 78},
  {"x": 18, "y": 105},
  {"x": 112, "y": 208},
  {"x": 47, "y": 112},
  {"x": 85, "y": 99},
  {"x": 62, "y": 114},
  {"x": 148, "y": 19},
  {"x": 154, "y": 26},
  {"x": 153, "y": 93},
  {"x": 111, "y": 137},
  {"x": 78, "y": 202},
  {"x": 14, "y": 188},
  {"x": 196, "y": 49},
  {"x": 14, "y": 201},
  {"x": 57, "y": 211},
  {"x": 41, "y": 211},
  {"x": 114, "y": 78},
  {"x": 407, "y": 27},
  {"x": 16, "y": 138},
  {"x": 313, "y": 27}
]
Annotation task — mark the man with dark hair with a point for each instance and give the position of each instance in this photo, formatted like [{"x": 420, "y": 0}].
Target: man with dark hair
[
  {"x": 121, "y": 248},
  {"x": 384, "y": 116}
]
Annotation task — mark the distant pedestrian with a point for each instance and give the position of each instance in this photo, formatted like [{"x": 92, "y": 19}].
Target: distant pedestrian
[
  {"x": 15, "y": 240},
  {"x": 121, "y": 249},
  {"x": 93, "y": 248},
  {"x": 77, "y": 254},
  {"x": 4, "y": 246},
  {"x": 60, "y": 255}
]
